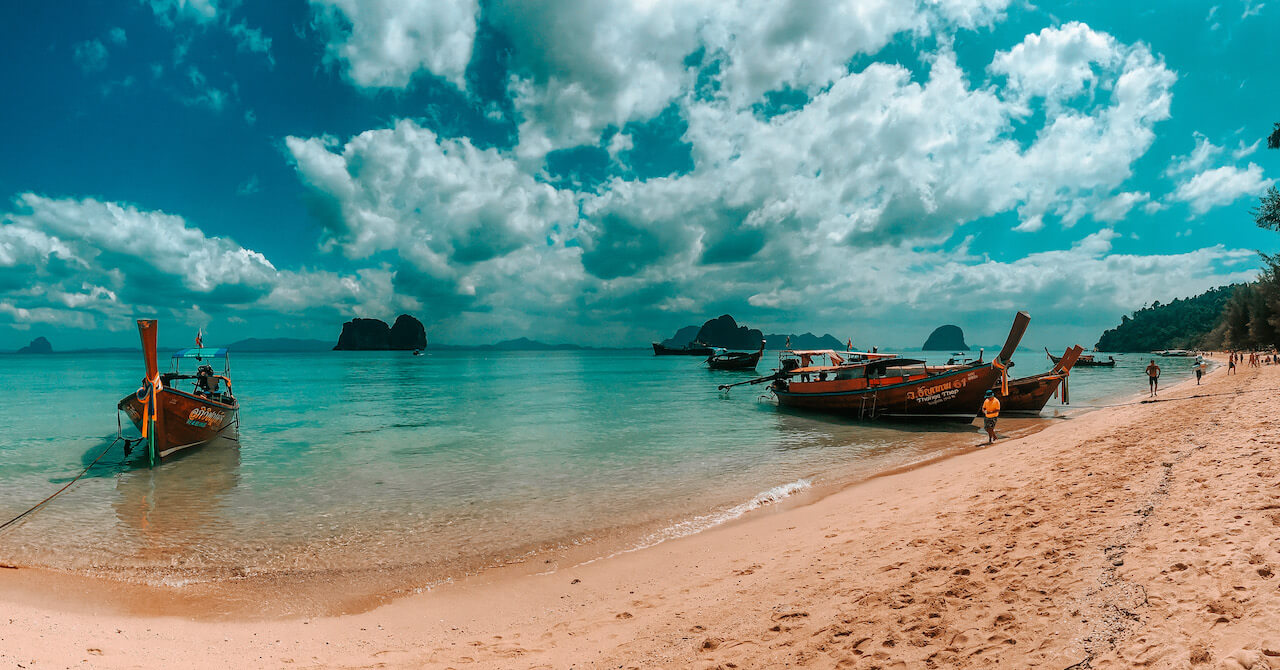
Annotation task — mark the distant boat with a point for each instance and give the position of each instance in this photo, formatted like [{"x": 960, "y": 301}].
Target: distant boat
[
  {"x": 735, "y": 360},
  {"x": 694, "y": 348},
  {"x": 171, "y": 419},
  {"x": 1086, "y": 361},
  {"x": 865, "y": 385},
  {"x": 417, "y": 352},
  {"x": 1175, "y": 353},
  {"x": 1029, "y": 395}
]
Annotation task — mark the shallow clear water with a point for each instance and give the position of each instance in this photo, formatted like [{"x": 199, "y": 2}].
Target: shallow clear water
[{"x": 438, "y": 465}]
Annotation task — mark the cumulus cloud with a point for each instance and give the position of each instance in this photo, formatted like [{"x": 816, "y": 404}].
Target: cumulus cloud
[
  {"x": 84, "y": 263},
  {"x": 628, "y": 61},
  {"x": 91, "y": 56},
  {"x": 384, "y": 43},
  {"x": 1221, "y": 186},
  {"x": 812, "y": 207},
  {"x": 1204, "y": 153},
  {"x": 1058, "y": 63},
  {"x": 449, "y": 210},
  {"x": 168, "y": 12}
]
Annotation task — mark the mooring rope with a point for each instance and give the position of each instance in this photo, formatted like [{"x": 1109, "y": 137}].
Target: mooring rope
[
  {"x": 42, "y": 503},
  {"x": 1149, "y": 401}
]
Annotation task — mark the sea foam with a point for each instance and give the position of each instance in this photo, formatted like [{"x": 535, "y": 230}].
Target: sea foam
[{"x": 703, "y": 522}]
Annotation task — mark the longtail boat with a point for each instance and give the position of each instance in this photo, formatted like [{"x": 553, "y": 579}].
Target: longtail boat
[
  {"x": 171, "y": 419},
  {"x": 1086, "y": 360},
  {"x": 694, "y": 348},
  {"x": 869, "y": 385},
  {"x": 1029, "y": 395},
  {"x": 735, "y": 360}
]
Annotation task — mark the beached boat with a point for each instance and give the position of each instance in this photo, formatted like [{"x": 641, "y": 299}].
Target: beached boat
[
  {"x": 735, "y": 360},
  {"x": 694, "y": 348},
  {"x": 1029, "y": 395},
  {"x": 1086, "y": 360},
  {"x": 172, "y": 419},
  {"x": 870, "y": 385}
]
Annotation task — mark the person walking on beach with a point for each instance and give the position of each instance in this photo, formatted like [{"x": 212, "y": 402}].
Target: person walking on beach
[
  {"x": 990, "y": 412},
  {"x": 1153, "y": 378},
  {"x": 1231, "y": 365},
  {"x": 1199, "y": 369}
]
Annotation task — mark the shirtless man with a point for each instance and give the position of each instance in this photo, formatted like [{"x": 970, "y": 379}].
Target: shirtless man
[{"x": 1153, "y": 378}]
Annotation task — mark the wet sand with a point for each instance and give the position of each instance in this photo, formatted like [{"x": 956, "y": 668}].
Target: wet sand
[{"x": 1136, "y": 535}]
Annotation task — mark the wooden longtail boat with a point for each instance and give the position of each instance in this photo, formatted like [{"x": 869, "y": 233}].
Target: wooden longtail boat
[
  {"x": 869, "y": 386},
  {"x": 1029, "y": 395},
  {"x": 694, "y": 348},
  {"x": 171, "y": 419},
  {"x": 735, "y": 360},
  {"x": 1086, "y": 361}
]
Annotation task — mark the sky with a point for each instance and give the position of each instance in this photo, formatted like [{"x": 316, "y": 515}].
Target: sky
[{"x": 605, "y": 171}]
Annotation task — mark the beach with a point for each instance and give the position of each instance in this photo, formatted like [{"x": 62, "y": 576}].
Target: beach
[{"x": 1138, "y": 535}]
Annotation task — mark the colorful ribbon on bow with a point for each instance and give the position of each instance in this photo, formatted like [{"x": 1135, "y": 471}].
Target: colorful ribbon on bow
[{"x": 1004, "y": 375}]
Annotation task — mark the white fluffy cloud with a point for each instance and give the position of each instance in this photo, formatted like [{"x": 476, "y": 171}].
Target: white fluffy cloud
[
  {"x": 383, "y": 43},
  {"x": 451, "y": 213},
  {"x": 853, "y": 193},
  {"x": 634, "y": 59},
  {"x": 84, "y": 263},
  {"x": 1221, "y": 186}
]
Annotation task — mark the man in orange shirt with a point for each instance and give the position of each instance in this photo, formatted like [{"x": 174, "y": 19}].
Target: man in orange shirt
[{"x": 990, "y": 411}]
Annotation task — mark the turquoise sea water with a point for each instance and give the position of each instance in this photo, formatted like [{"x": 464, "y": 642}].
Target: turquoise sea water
[{"x": 433, "y": 466}]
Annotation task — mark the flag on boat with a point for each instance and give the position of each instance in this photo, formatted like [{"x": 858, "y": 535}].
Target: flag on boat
[
  {"x": 848, "y": 346},
  {"x": 199, "y": 339}
]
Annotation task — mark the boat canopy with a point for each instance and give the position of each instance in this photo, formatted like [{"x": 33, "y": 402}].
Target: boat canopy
[
  {"x": 879, "y": 367},
  {"x": 201, "y": 352}
]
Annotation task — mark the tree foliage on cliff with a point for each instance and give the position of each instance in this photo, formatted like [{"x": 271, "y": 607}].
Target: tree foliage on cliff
[
  {"x": 1251, "y": 318},
  {"x": 1182, "y": 324}
]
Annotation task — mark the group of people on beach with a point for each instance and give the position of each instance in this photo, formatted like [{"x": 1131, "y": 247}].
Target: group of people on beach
[{"x": 1256, "y": 360}]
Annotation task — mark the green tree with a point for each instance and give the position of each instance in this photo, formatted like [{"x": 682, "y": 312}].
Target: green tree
[
  {"x": 1267, "y": 213},
  {"x": 1237, "y": 319}
]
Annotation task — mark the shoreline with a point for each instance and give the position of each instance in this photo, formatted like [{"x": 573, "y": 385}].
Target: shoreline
[
  {"x": 500, "y": 602},
  {"x": 310, "y": 591}
]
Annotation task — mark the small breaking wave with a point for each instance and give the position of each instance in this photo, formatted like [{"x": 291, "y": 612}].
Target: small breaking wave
[{"x": 703, "y": 522}]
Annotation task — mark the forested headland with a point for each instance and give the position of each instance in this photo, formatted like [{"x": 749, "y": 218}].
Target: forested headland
[{"x": 1240, "y": 316}]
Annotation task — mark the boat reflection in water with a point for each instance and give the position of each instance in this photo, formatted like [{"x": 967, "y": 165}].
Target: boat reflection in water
[{"x": 174, "y": 514}]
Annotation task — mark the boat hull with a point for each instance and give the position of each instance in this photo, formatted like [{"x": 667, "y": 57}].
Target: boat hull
[
  {"x": 184, "y": 421},
  {"x": 953, "y": 395},
  {"x": 735, "y": 362},
  {"x": 1028, "y": 395}
]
